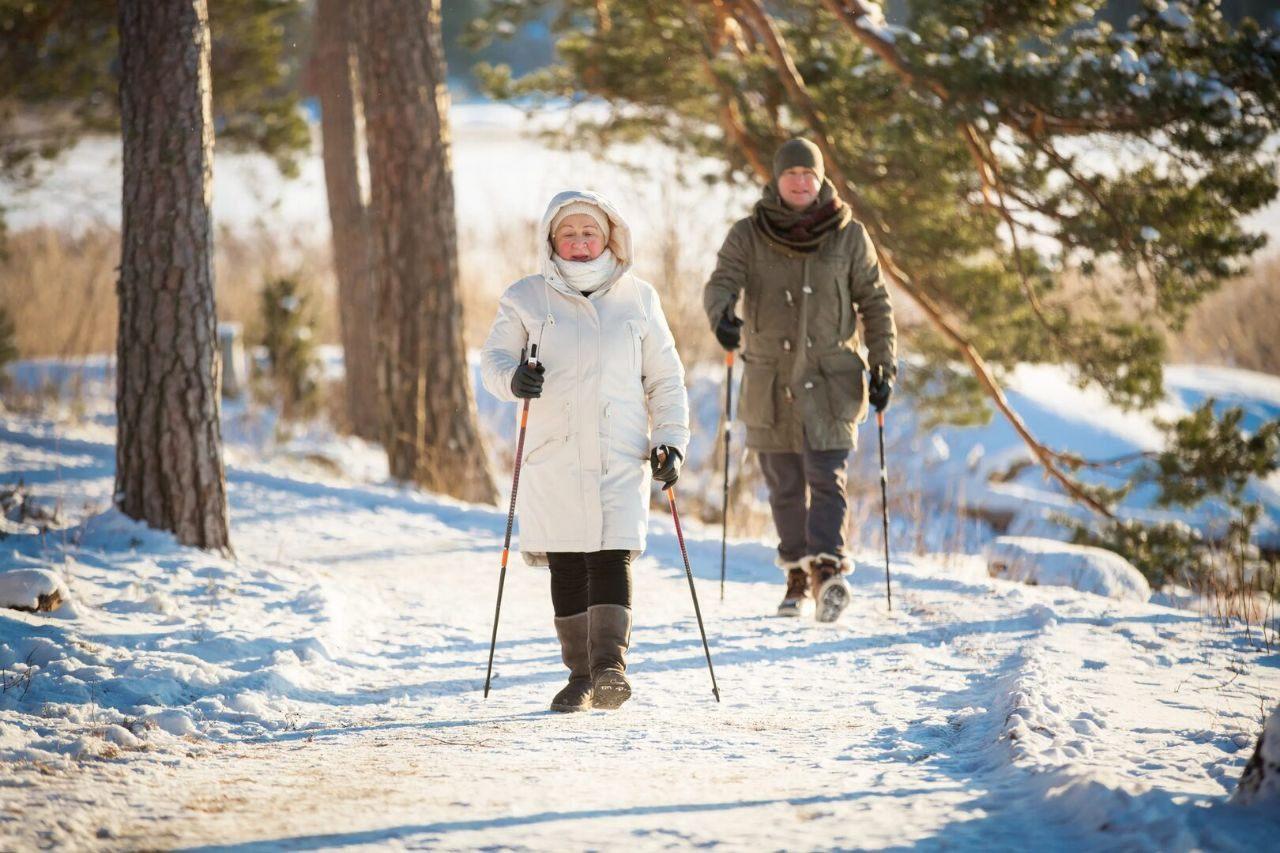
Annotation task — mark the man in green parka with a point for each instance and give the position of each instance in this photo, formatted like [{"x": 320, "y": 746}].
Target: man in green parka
[{"x": 807, "y": 271}]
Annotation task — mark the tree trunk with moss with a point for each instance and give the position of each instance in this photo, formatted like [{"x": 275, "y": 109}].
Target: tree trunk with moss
[
  {"x": 169, "y": 468},
  {"x": 430, "y": 427}
]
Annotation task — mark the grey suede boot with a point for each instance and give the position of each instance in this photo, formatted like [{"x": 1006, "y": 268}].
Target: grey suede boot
[
  {"x": 610, "y": 629},
  {"x": 574, "y": 646}
]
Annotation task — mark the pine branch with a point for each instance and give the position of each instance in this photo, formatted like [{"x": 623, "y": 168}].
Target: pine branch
[
  {"x": 1031, "y": 119},
  {"x": 1121, "y": 233},
  {"x": 993, "y": 177},
  {"x": 787, "y": 73},
  {"x": 849, "y": 13},
  {"x": 790, "y": 78}
]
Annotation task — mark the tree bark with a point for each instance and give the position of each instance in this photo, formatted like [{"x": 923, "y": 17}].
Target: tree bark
[
  {"x": 430, "y": 428},
  {"x": 169, "y": 468},
  {"x": 335, "y": 71}
]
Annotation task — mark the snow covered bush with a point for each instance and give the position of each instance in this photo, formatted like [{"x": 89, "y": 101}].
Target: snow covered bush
[
  {"x": 1047, "y": 562},
  {"x": 288, "y": 335},
  {"x": 1209, "y": 461},
  {"x": 1167, "y": 552}
]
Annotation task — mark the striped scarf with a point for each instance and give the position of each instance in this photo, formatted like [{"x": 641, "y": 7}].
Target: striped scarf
[{"x": 800, "y": 230}]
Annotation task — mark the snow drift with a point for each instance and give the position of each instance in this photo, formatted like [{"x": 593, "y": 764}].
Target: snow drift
[{"x": 1047, "y": 562}]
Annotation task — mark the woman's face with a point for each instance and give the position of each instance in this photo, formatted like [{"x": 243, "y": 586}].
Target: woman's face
[
  {"x": 578, "y": 238},
  {"x": 798, "y": 187}
]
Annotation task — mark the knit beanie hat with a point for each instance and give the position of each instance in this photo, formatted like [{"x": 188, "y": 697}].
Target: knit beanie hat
[
  {"x": 798, "y": 152},
  {"x": 586, "y": 207}
]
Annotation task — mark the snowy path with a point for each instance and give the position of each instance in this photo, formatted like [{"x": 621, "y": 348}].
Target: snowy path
[{"x": 980, "y": 714}]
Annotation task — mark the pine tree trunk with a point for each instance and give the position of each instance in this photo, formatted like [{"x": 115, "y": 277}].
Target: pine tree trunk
[
  {"x": 430, "y": 428},
  {"x": 169, "y": 469},
  {"x": 336, "y": 75}
]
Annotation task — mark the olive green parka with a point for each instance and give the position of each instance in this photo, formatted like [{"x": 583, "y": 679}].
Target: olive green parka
[{"x": 803, "y": 374}]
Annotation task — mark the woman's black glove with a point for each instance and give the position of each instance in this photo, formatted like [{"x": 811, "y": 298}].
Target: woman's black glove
[
  {"x": 729, "y": 330},
  {"x": 665, "y": 462},
  {"x": 880, "y": 387},
  {"x": 526, "y": 382}
]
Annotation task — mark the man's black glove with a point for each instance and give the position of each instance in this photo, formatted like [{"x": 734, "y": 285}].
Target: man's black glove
[
  {"x": 729, "y": 330},
  {"x": 526, "y": 382},
  {"x": 880, "y": 387},
  {"x": 665, "y": 462}
]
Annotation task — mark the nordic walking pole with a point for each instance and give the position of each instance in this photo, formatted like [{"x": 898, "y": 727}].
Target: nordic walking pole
[
  {"x": 724, "y": 508},
  {"x": 511, "y": 517},
  {"x": 688, "y": 573},
  {"x": 884, "y": 508}
]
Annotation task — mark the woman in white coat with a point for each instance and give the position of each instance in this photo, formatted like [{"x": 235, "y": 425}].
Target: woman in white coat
[{"x": 609, "y": 394}]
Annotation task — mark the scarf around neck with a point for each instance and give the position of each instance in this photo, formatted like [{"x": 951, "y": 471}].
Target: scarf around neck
[
  {"x": 800, "y": 230},
  {"x": 587, "y": 276}
]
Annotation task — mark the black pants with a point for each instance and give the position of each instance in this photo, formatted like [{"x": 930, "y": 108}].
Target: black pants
[
  {"x": 580, "y": 580},
  {"x": 809, "y": 523}
]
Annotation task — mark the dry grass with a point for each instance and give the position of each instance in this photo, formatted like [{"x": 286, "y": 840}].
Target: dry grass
[
  {"x": 60, "y": 288},
  {"x": 60, "y": 291},
  {"x": 487, "y": 265},
  {"x": 1237, "y": 325},
  {"x": 242, "y": 264},
  {"x": 678, "y": 266}
]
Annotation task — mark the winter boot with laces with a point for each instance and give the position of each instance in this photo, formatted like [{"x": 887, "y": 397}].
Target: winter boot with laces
[
  {"x": 610, "y": 631},
  {"x": 797, "y": 590},
  {"x": 831, "y": 592},
  {"x": 574, "y": 646}
]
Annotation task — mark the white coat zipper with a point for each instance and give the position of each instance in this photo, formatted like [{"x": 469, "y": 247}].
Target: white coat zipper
[{"x": 608, "y": 438}]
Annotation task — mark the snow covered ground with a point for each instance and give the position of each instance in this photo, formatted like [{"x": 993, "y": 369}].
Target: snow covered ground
[{"x": 323, "y": 689}]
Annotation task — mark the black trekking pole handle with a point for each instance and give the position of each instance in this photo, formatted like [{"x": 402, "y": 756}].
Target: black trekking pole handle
[
  {"x": 688, "y": 573},
  {"x": 511, "y": 517}
]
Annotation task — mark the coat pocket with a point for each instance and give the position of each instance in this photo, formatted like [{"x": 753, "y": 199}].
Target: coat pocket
[
  {"x": 758, "y": 408},
  {"x": 548, "y": 429},
  {"x": 634, "y": 348},
  {"x": 844, "y": 375}
]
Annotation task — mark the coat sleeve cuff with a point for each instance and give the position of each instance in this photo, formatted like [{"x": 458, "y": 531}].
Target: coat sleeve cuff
[{"x": 674, "y": 437}]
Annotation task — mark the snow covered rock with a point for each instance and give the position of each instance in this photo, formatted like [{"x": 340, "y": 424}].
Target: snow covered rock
[
  {"x": 1051, "y": 563},
  {"x": 33, "y": 590},
  {"x": 1260, "y": 782}
]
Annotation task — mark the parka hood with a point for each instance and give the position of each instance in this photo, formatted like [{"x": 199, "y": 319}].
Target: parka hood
[{"x": 619, "y": 237}]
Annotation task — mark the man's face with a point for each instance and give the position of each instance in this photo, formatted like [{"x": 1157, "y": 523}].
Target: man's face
[{"x": 798, "y": 187}]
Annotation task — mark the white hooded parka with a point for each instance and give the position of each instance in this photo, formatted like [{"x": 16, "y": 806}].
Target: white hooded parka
[{"x": 613, "y": 390}]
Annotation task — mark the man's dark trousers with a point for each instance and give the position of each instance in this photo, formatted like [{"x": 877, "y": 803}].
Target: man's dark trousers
[{"x": 812, "y": 524}]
